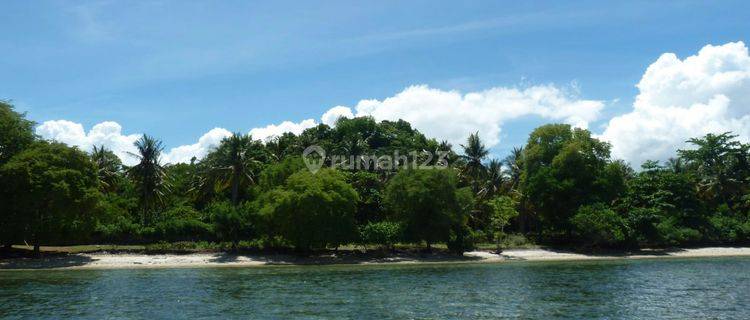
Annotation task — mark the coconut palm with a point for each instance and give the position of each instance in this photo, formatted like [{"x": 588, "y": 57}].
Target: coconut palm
[
  {"x": 514, "y": 167},
  {"x": 149, "y": 176},
  {"x": 718, "y": 160},
  {"x": 108, "y": 167},
  {"x": 474, "y": 154},
  {"x": 233, "y": 165},
  {"x": 494, "y": 181}
]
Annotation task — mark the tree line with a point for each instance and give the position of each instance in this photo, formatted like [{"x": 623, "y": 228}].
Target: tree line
[{"x": 561, "y": 188}]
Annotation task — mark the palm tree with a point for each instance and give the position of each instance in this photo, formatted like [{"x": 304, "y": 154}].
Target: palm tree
[
  {"x": 494, "y": 181},
  {"x": 148, "y": 175},
  {"x": 514, "y": 166},
  {"x": 108, "y": 168},
  {"x": 716, "y": 160},
  {"x": 474, "y": 154},
  {"x": 233, "y": 165}
]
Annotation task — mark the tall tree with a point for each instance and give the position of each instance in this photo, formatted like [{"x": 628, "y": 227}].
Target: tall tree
[
  {"x": 314, "y": 210},
  {"x": 474, "y": 154},
  {"x": 426, "y": 202},
  {"x": 108, "y": 168},
  {"x": 562, "y": 170},
  {"x": 494, "y": 181},
  {"x": 514, "y": 166},
  {"x": 234, "y": 165},
  {"x": 721, "y": 163},
  {"x": 16, "y": 133},
  {"x": 149, "y": 176},
  {"x": 54, "y": 192}
]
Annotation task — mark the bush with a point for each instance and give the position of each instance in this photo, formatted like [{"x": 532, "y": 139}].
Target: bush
[
  {"x": 182, "y": 230},
  {"x": 383, "y": 233},
  {"x": 726, "y": 229},
  {"x": 516, "y": 241},
  {"x": 313, "y": 211},
  {"x": 230, "y": 222},
  {"x": 428, "y": 204},
  {"x": 599, "y": 226},
  {"x": 460, "y": 240},
  {"x": 121, "y": 230},
  {"x": 672, "y": 234}
]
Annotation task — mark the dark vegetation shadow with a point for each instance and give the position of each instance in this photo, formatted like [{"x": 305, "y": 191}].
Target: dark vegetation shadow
[{"x": 27, "y": 260}]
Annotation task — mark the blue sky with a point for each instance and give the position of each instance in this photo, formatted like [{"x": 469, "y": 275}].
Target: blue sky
[{"x": 176, "y": 70}]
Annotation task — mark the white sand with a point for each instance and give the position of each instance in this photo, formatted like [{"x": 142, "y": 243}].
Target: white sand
[{"x": 127, "y": 260}]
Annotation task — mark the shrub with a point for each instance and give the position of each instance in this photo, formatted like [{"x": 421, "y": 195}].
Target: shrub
[
  {"x": 460, "y": 239},
  {"x": 672, "y": 234},
  {"x": 230, "y": 222},
  {"x": 383, "y": 233},
  {"x": 187, "y": 229},
  {"x": 599, "y": 226},
  {"x": 313, "y": 210}
]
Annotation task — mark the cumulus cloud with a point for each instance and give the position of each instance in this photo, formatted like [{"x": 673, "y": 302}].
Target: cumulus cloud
[
  {"x": 206, "y": 143},
  {"x": 678, "y": 99},
  {"x": 107, "y": 133},
  {"x": 273, "y": 130},
  {"x": 335, "y": 113},
  {"x": 452, "y": 116},
  {"x": 448, "y": 115}
]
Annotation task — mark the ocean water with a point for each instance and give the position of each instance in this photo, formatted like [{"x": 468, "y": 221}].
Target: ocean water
[{"x": 717, "y": 288}]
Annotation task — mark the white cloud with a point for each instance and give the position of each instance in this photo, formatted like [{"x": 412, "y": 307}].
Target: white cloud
[
  {"x": 207, "y": 142},
  {"x": 335, "y": 113},
  {"x": 679, "y": 99},
  {"x": 452, "y": 116},
  {"x": 107, "y": 133},
  {"x": 272, "y": 130},
  {"x": 447, "y": 115}
]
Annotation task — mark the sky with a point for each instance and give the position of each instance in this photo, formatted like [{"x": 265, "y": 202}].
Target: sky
[{"x": 644, "y": 76}]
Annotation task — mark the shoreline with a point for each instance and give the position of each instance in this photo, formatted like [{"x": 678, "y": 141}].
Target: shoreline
[{"x": 104, "y": 260}]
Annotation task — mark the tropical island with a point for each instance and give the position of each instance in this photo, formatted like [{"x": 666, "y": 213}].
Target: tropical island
[{"x": 561, "y": 190}]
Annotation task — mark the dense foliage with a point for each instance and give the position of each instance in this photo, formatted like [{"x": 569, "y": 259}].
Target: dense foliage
[{"x": 561, "y": 188}]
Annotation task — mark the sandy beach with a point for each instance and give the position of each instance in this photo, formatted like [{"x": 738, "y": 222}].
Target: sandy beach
[{"x": 103, "y": 260}]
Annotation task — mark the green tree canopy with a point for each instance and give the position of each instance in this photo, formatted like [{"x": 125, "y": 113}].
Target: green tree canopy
[
  {"x": 233, "y": 166},
  {"x": 564, "y": 168},
  {"x": 54, "y": 192},
  {"x": 425, "y": 201},
  {"x": 16, "y": 133},
  {"x": 149, "y": 175},
  {"x": 314, "y": 210}
]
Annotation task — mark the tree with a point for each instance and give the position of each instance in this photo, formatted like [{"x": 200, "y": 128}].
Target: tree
[
  {"x": 659, "y": 201},
  {"x": 598, "y": 226},
  {"x": 503, "y": 210},
  {"x": 108, "y": 168},
  {"x": 233, "y": 165},
  {"x": 314, "y": 210},
  {"x": 494, "y": 181},
  {"x": 425, "y": 202},
  {"x": 54, "y": 192},
  {"x": 149, "y": 176},
  {"x": 474, "y": 154},
  {"x": 231, "y": 222},
  {"x": 383, "y": 233},
  {"x": 562, "y": 170},
  {"x": 16, "y": 133},
  {"x": 721, "y": 164},
  {"x": 514, "y": 165}
]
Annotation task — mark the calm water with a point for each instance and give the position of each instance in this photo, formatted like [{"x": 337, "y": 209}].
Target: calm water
[{"x": 668, "y": 289}]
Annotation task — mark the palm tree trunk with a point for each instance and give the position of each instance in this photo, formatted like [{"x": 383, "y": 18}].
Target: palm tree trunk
[{"x": 235, "y": 190}]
